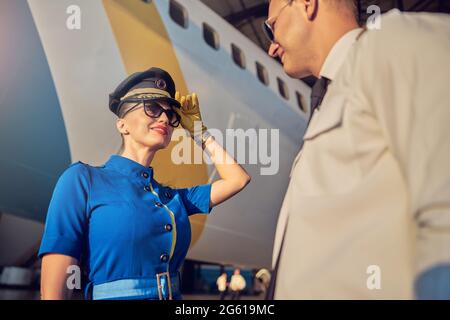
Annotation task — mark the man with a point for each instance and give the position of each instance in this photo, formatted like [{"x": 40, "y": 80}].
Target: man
[
  {"x": 237, "y": 284},
  {"x": 367, "y": 211},
  {"x": 222, "y": 284}
]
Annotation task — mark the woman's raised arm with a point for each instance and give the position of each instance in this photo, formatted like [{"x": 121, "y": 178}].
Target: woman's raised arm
[{"x": 233, "y": 176}]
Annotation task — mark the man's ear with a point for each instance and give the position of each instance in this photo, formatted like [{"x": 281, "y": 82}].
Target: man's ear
[
  {"x": 121, "y": 126},
  {"x": 311, "y": 8}
]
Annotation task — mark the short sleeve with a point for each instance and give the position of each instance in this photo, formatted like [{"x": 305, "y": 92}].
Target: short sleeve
[
  {"x": 67, "y": 214},
  {"x": 196, "y": 199}
]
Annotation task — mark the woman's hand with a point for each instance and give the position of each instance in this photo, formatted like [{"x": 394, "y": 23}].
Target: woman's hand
[
  {"x": 233, "y": 178},
  {"x": 190, "y": 114}
]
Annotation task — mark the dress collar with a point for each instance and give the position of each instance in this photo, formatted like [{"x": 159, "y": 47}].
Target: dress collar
[{"x": 128, "y": 167}]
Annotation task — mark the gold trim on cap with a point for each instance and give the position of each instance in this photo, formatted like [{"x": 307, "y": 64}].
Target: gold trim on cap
[{"x": 151, "y": 92}]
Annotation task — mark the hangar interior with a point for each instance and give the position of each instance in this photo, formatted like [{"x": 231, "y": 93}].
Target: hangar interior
[{"x": 247, "y": 16}]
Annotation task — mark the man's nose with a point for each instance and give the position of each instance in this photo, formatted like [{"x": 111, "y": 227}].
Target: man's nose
[{"x": 273, "y": 49}]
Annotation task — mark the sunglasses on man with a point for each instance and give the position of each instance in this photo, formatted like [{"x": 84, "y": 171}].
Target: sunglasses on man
[{"x": 269, "y": 23}]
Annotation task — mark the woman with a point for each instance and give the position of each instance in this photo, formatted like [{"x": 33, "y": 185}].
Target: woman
[{"x": 132, "y": 233}]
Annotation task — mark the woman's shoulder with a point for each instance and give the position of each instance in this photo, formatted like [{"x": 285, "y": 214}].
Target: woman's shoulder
[
  {"x": 76, "y": 172},
  {"x": 82, "y": 167},
  {"x": 77, "y": 168}
]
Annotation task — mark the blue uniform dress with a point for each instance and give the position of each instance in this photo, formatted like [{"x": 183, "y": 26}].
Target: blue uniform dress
[{"x": 131, "y": 232}]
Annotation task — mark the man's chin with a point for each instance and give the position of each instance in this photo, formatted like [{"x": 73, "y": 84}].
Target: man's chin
[{"x": 294, "y": 72}]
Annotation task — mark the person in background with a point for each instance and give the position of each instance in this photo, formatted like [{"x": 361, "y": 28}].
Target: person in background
[
  {"x": 222, "y": 285},
  {"x": 237, "y": 284}
]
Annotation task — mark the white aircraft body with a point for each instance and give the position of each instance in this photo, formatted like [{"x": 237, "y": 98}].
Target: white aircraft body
[{"x": 59, "y": 60}]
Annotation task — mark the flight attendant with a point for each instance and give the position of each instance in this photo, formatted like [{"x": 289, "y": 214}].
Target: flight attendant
[{"x": 131, "y": 232}]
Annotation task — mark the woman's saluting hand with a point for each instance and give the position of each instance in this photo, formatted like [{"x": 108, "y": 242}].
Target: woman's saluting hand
[
  {"x": 190, "y": 113},
  {"x": 233, "y": 177}
]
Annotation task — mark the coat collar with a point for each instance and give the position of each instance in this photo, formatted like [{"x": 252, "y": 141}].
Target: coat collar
[{"x": 339, "y": 53}]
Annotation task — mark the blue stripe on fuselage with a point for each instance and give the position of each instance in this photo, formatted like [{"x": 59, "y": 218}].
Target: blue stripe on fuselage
[{"x": 33, "y": 140}]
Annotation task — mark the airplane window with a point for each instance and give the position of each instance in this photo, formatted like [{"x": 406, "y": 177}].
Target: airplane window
[
  {"x": 300, "y": 101},
  {"x": 282, "y": 87},
  {"x": 263, "y": 76},
  {"x": 178, "y": 14},
  {"x": 238, "y": 56},
  {"x": 211, "y": 36}
]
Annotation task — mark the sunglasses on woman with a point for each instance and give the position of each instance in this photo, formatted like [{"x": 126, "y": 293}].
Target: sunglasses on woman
[{"x": 154, "y": 110}]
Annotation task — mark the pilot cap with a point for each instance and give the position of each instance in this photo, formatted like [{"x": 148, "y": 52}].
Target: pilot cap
[{"x": 154, "y": 83}]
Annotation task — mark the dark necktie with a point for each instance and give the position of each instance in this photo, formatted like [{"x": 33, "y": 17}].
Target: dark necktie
[{"x": 318, "y": 92}]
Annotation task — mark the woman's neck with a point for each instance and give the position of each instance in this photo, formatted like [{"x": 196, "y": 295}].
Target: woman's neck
[{"x": 143, "y": 156}]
